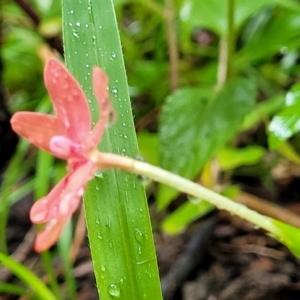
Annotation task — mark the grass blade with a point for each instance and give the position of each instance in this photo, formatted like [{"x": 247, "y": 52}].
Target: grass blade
[{"x": 116, "y": 209}]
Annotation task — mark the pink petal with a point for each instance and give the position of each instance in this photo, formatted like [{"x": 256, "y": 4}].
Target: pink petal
[
  {"x": 65, "y": 197},
  {"x": 65, "y": 148},
  {"x": 68, "y": 99},
  {"x": 48, "y": 237},
  {"x": 38, "y": 128},
  {"x": 46, "y": 208},
  {"x": 100, "y": 82},
  {"x": 75, "y": 187},
  {"x": 107, "y": 113}
]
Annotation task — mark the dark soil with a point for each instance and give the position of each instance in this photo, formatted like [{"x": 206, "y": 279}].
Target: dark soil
[{"x": 221, "y": 257}]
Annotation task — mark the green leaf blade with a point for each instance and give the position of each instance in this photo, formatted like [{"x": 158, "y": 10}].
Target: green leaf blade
[{"x": 116, "y": 209}]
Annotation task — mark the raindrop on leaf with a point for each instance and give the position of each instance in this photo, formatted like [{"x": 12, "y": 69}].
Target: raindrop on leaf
[{"x": 114, "y": 290}]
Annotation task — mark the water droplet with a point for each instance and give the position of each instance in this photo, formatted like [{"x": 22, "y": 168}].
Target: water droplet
[
  {"x": 114, "y": 290},
  {"x": 114, "y": 55},
  {"x": 144, "y": 180},
  {"x": 70, "y": 24},
  {"x": 71, "y": 12},
  {"x": 108, "y": 222},
  {"x": 86, "y": 25},
  {"x": 77, "y": 23},
  {"x": 138, "y": 235},
  {"x": 99, "y": 175},
  {"x": 75, "y": 34},
  {"x": 103, "y": 268}
]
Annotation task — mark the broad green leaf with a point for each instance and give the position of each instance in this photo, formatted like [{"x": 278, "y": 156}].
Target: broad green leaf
[
  {"x": 287, "y": 122},
  {"x": 230, "y": 158},
  {"x": 117, "y": 215},
  {"x": 195, "y": 123},
  {"x": 213, "y": 14}
]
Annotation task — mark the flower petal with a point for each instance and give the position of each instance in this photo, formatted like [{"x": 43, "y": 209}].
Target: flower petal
[
  {"x": 65, "y": 197},
  {"x": 65, "y": 148},
  {"x": 48, "y": 237},
  {"x": 38, "y": 128},
  {"x": 107, "y": 113},
  {"x": 46, "y": 208},
  {"x": 75, "y": 187},
  {"x": 68, "y": 99}
]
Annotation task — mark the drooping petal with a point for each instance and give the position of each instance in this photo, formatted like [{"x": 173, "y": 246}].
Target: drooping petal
[
  {"x": 46, "y": 208},
  {"x": 38, "y": 128},
  {"x": 69, "y": 101},
  {"x": 100, "y": 82},
  {"x": 49, "y": 236},
  {"x": 65, "y": 197},
  {"x": 75, "y": 187},
  {"x": 106, "y": 112}
]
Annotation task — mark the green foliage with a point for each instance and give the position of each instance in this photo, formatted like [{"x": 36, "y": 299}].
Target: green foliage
[
  {"x": 286, "y": 122},
  {"x": 196, "y": 123},
  {"x": 177, "y": 222},
  {"x": 28, "y": 277},
  {"x": 232, "y": 158},
  {"x": 288, "y": 235}
]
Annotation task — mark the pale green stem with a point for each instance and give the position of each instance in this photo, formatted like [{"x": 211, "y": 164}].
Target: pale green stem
[
  {"x": 110, "y": 160},
  {"x": 226, "y": 48},
  {"x": 172, "y": 44}
]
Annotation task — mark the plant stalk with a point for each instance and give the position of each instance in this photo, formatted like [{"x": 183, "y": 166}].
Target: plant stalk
[{"x": 110, "y": 160}]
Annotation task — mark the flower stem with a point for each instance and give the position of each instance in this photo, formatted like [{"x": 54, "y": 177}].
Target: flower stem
[
  {"x": 110, "y": 160},
  {"x": 227, "y": 45}
]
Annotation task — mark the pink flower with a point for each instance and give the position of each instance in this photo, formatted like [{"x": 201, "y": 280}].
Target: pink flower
[{"x": 69, "y": 136}]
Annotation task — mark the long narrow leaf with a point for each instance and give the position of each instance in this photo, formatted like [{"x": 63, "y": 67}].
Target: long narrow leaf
[
  {"x": 116, "y": 210},
  {"x": 28, "y": 277}
]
